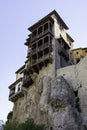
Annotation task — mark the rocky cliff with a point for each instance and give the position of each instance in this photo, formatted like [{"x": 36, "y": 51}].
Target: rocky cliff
[{"x": 57, "y": 101}]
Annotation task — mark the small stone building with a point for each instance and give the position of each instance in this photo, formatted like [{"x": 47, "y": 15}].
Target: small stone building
[{"x": 78, "y": 54}]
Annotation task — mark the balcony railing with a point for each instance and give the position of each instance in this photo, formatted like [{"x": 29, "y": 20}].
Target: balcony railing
[
  {"x": 63, "y": 52},
  {"x": 39, "y": 48},
  {"x": 34, "y": 66},
  {"x": 15, "y": 95},
  {"x": 33, "y": 51},
  {"x": 41, "y": 59},
  {"x": 27, "y": 81},
  {"x": 41, "y": 34},
  {"x": 11, "y": 94},
  {"x": 42, "y": 47}
]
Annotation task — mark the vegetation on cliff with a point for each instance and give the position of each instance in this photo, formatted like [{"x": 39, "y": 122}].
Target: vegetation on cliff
[{"x": 27, "y": 125}]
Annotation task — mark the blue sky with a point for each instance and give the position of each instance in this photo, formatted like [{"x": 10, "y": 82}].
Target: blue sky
[{"x": 15, "y": 17}]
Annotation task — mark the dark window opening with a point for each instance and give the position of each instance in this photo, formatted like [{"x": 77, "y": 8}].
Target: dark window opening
[
  {"x": 77, "y": 52},
  {"x": 78, "y": 60},
  {"x": 46, "y": 39},
  {"x": 34, "y": 46},
  {"x": 19, "y": 87},
  {"x": 46, "y": 51},
  {"x": 65, "y": 47},
  {"x": 40, "y": 43},
  {"x": 50, "y": 27},
  {"x": 50, "y": 40},
  {"x": 45, "y": 26},
  {"x": 40, "y": 30},
  {"x": 40, "y": 54},
  {"x": 34, "y": 33},
  {"x": 34, "y": 57},
  {"x": 63, "y": 44}
]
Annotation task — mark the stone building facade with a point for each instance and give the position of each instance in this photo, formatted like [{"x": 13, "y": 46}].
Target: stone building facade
[
  {"x": 78, "y": 54},
  {"x": 42, "y": 90}
]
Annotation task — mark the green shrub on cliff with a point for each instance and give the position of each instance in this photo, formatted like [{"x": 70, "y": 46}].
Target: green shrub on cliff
[
  {"x": 28, "y": 125},
  {"x": 10, "y": 125}
]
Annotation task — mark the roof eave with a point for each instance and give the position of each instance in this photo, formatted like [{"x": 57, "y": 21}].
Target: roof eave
[
  {"x": 47, "y": 17},
  {"x": 21, "y": 68}
]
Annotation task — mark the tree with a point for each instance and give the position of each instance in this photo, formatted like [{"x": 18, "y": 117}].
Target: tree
[
  {"x": 27, "y": 125},
  {"x": 9, "y": 116}
]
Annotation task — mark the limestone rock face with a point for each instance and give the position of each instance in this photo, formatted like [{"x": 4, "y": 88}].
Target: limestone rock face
[
  {"x": 64, "y": 115},
  {"x": 61, "y": 92},
  {"x": 45, "y": 96},
  {"x": 59, "y": 102}
]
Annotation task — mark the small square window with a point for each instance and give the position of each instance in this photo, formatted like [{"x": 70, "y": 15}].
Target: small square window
[{"x": 77, "y": 52}]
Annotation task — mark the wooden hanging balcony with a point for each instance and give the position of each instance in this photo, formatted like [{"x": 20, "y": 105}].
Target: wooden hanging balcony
[
  {"x": 16, "y": 95},
  {"x": 42, "y": 47},
  {"x": 33, "y": 38},
  {"x": 35, "y": 65},
  {"x": 63, "y": 52},
  {"x": 13, "y": 96},
  {"x": 36, "y": 62},
  {"x": 27, "y": 81},
  {"x": 35, "y": 50}
]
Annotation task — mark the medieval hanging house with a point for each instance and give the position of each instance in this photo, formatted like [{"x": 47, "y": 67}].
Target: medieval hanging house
[{"x": 49, "y": 46}]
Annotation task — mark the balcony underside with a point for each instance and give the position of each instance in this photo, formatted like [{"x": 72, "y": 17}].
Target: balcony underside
[
  {"x": 27, "y": 82},
  {"x": 15, "y": 96},
  {"x": 39, "y": 36},
  {"x": 37, "y": 64},
  {"x": 41, "y": 48}
]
